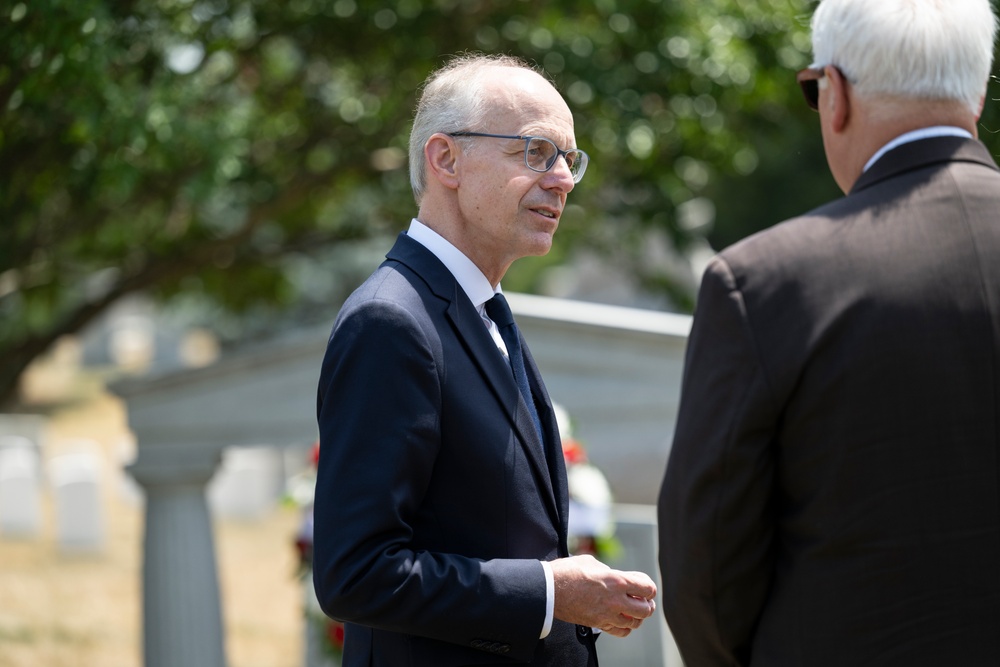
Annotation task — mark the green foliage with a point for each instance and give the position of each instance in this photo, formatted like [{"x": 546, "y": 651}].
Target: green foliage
[{"x": 217, "y": 147}]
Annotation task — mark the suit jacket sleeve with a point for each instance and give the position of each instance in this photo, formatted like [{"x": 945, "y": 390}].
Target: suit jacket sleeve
[
  {"x": 380, "y": 427},
  {"x": 715, "y": 507}
]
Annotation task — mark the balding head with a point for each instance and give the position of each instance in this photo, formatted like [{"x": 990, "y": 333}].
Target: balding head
[{"x": 460, "y": 96}]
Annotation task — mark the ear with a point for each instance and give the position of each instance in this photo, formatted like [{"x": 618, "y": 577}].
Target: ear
[
  {"x": 838, "y": 100},
  {"x": 442, "y": 156}
]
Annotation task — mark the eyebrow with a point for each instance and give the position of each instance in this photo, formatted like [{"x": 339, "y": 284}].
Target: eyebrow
[{"x": 543, "y": 135}]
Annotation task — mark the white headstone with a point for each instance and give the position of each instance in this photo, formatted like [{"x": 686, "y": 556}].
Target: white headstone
[
  {"x": 20, "y": 493},
  {"x": 248, "y": 484},
  {"x": 76, "y": 480},
  {"x": 31, "y": 427}
]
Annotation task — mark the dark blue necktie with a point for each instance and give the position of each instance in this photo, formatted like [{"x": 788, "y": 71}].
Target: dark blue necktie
[{"x": 499, "y": 312}]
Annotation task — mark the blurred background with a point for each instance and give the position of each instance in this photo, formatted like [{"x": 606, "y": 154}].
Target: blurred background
[{"x": 179, "y": 178}]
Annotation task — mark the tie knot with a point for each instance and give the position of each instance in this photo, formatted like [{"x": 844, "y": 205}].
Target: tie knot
[{"x": 499, "y": 311}]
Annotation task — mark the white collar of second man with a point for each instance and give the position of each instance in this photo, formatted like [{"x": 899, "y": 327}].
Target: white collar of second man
[
  {"x": 473, "y": 282},
  {"x": 916, "y": 135}
]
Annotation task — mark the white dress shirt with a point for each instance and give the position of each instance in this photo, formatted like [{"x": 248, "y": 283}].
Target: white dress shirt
[
  {"x": 916, "y": 135},
  {"x": 479, "y": 290}
]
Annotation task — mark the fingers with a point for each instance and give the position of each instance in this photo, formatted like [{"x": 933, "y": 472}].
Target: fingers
[
  {"x": 624, "y": 626},
  {"x": 640, "y": 585},
  {"x": 629, "y": 622},
  {"x": 639, "y": 607},
  {"x": 617, "y": 632},
  {"x": 640, "y": 592}
]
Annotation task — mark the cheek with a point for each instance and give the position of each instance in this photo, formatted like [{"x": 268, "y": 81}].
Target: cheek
[{"x": 500, "y": 196}]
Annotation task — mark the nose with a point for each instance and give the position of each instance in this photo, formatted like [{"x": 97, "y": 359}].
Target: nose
[{"x": 559, "y": 177}]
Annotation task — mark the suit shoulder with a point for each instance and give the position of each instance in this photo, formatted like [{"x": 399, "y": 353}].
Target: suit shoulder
[
  {"x": 794, "y": 239},
  {"x": 396, "y": 296},
  {"x": 392, "y": 281}
]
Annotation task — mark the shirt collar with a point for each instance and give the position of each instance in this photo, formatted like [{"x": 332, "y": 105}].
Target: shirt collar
[
  {"x": 469, "y": 277},
  {"x": 916, "y": 135}
]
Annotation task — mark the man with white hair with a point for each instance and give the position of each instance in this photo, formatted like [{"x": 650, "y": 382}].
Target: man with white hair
[{"x": 832, "y": 496}]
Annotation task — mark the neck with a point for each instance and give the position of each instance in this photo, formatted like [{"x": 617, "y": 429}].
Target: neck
[
  {"x": 448, "y": 227},
  {"x": 877, "y": 121}
]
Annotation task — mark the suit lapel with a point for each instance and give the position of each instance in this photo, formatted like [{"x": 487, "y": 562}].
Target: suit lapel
[
  {"x": 469, "y": 329},
  {"x": 553, "y": 452}
]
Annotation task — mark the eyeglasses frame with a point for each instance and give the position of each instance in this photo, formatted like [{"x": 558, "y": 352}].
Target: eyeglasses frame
[{"x": 577, "y": 177}]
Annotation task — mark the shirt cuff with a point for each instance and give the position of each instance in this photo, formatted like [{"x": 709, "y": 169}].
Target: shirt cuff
[{"x": 550, "y": 599}]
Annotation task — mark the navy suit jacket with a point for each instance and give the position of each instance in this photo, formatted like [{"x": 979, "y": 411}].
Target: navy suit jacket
[
  {"x": 435, "y": 500},
  {"x": 833, "y": 492}
]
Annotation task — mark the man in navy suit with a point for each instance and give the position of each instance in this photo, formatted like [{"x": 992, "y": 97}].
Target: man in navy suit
[
  {"x": 833, "y": 492},
  {"x": 441, "y": 500}
]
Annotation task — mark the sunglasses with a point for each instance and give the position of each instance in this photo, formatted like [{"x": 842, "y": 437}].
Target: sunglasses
[
  {"x": 809, "y": 83},
  {"x": 809, "y": 79}
]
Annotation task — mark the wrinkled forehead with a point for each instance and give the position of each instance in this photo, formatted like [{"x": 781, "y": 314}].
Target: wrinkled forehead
[{"x": 523, "y": 102}]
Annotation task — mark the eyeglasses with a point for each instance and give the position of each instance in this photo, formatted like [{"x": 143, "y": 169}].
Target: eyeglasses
[
  {"x": 809, "y": 82},
  {"x": 540, "y": 154}
]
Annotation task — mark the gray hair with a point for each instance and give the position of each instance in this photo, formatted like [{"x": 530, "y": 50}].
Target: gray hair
[
  {"x": 453, "y": 100},
  {"x": 928, "y": 49}
]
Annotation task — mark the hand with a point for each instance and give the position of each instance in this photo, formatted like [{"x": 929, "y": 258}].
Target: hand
[{"x": 590, "y": 593}]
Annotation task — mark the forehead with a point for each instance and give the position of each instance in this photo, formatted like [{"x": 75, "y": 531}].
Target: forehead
[{"x": 523, "y": 102}]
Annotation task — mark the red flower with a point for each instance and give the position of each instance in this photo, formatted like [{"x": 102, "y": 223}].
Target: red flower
[
  {"x": 335, "y": 634},
  {"x": 314, "y": 454},
  {"x": 573, "y": 451}
]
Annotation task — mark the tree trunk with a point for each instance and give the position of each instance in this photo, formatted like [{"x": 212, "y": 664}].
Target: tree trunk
[{"x": 19, "y": 357}]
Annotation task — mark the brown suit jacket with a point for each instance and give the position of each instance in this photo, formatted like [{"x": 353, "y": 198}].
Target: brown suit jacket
[{"x": 833, "y": 492}]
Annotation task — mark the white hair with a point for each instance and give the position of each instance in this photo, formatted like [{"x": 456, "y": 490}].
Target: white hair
[
  {"x": 453, "y": 100},
  {"x": 928, "y": 49}
]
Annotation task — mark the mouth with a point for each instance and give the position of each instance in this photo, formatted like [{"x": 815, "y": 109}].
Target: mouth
[{"x": 550, "y": 213}]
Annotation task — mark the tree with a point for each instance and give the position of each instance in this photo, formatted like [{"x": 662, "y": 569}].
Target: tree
[{"x": 217, "y": 147}]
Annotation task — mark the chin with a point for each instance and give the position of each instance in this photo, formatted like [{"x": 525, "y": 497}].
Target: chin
[{"x": 539, "y": 246}]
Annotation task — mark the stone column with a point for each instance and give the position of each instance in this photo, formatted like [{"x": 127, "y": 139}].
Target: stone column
[{"x": 182, "y": 613}]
